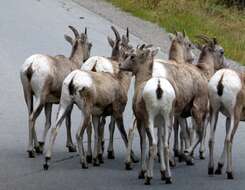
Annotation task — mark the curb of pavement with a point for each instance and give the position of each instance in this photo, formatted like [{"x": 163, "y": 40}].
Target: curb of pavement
[{"x": 151, "y": 33}]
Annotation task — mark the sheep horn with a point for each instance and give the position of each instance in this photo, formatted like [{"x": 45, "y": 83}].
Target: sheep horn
[
  {"x": 204, "y": 38},
  {"x": 116, "y": 33},
  {"x": 74, "y": 31}
]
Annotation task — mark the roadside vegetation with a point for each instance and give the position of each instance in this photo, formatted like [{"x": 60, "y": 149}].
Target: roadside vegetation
[{"x": 224, "y": 19}]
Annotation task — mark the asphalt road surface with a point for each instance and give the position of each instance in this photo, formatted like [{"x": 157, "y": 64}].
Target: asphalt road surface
[{"x": 38, "y": 26}]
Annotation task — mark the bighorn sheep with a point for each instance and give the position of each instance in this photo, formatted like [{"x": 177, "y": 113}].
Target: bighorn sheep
[
  {"x": 42, "y": 77},
  {"x": 96, "y": 94},
  {"x": 103, "y": 64},
  {"x": 227, "y": 95},
  {"x": 154, "y": 97},
  {"x": 208, "y": 63}
]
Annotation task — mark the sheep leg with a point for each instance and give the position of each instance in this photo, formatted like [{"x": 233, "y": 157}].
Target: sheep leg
[
  {"x": 221, "y": 161},
  {"x": 110, "y": 151},
  {"x": 32, "y": 133},
  {"x": 214, "y": 118},
  {"x": 69, "y": 143},
  {"x": 184, "y": 137},
  {"x": 120, "y": 125},
  {"x": 85, "y": 123},
  {"x": 176, "y": 138},
  {"x": 202, "y": 145},
  {"x": 168, "y": 125},
  {"x": 198, "y": 125},
  {"x": 101, "y": 129},
  {"x": 229, "y": 139},
  {"x": 60, "y": 117},
  {"x": 161, "y": 149},
  {"x": 129, "y": 148},
  {"x": 48, "y": 113},
  {"x": 89, "y": 135},
  {"x": 142, "y": 134},
  {"x": 95, "y": 121},
  {"x": 152, "y": 150}
]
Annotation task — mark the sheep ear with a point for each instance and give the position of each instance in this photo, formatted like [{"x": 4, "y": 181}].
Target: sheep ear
[
  {"x": 171, "y": 36},
  {"x": 111, "y": 42},
  {"x": 68, "y": 39},
  {"x": 184, "y": 33},
  {"x": 85, "y": 31},
  {"x": 155, "y": 51},
  {"x": 215, "y": 41}
]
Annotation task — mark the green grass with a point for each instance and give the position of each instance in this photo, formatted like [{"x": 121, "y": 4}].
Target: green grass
[{"x": 195, "y": 17}]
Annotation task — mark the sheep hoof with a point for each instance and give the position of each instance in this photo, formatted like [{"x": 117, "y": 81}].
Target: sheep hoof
[
  {"x": 96, "y": 162},
  {"x": 38, "y": 149},
  {"x": 172, "y": 163},
  {"x": 111, "y": 155},
  {"x": 89, "y": 159},
  {"x": 230, "y": 175},
  {"x": 41, "y": 145},
  {"x": 100, "y": 157},
  {"x": 31, "y": 153},
  {"x": 128, "y": 166},
  {"x": 134, "y": 158},
  {"x": 201, "y": 155},
  {"x": 163, "y": 175},
  {"x": 211, "y": 171},
  {"x": 46, "y": 165},
  {"x": 148, "y": 180},
  {"x": 84, "y": 165},
  {"x": 168, "y": 180},
  {"x": 189, "y": 162},
  {"x": 218, "y": 171},
  {"x": 142, "y": 174},
  {"x": 72, "y": 148}
]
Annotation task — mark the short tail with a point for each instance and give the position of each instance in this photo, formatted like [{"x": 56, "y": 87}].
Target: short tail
[
  {"x": 29, "y": 72},
  {"x": 71, "y": 87},
  {"x": 220, "y": 86},
  {"x": 159, "y": 91}
]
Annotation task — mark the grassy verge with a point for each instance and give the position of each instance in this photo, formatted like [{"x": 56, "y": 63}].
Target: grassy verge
[{"x": 195, "y": 17}]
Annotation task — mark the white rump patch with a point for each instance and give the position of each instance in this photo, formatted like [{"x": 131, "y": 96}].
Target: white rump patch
[
  {"x": 102, "y": 64},
  {"x": 164, "y": 104},
  {"x": 159, "y": 69},
  {"x": 232, "y": 86}
]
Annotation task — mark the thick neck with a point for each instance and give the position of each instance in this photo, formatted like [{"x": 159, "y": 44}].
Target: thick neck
[
  {"x": 125, "y": 80},
  {"x": 144, "y": 73},
  {"x": 77, "y": 55},
  {"x": 206, "y": 65},
  {"x": 176, "y": 54}
]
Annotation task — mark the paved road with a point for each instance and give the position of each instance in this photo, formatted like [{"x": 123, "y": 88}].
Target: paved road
[{"x": 38, "y": 26}]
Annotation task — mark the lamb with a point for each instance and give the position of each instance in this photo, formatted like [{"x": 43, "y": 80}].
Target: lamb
[
  {"x": 153, "y": 101},
  {"x": 97, "y": 95},
  {"x": 103, "y": 64},
  {"x": 227, "y": 95},
  {"x": 42, "y": 77}
]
